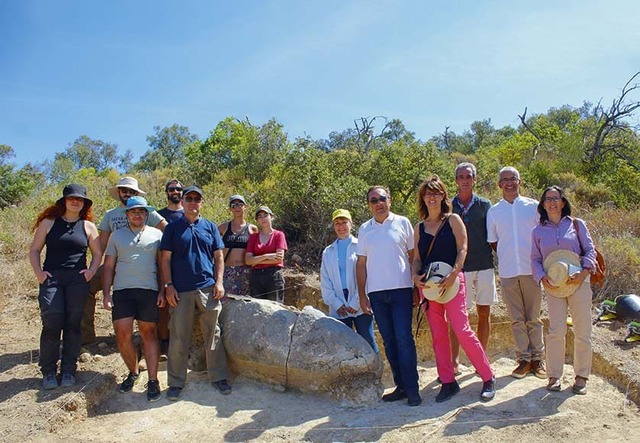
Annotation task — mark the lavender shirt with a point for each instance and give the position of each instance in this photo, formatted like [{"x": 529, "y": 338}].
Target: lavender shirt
[{"x": 547, "y": 237}]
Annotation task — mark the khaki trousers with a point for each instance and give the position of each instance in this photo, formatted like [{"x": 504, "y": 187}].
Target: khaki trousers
[
  {"x": 579, "y": 305},
  {"x": 181, "y": 328},
  {"x": 523, "y": 298}
]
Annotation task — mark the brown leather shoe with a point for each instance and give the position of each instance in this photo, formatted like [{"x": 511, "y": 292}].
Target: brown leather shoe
[
  {"x": 537, "y": 367},
  {"x": 524, "y": 367}
]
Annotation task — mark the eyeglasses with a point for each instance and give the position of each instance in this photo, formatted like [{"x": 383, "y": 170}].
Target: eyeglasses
[
  {"x": 138, "y": 211},
  {"x": 174, "y": 189},
  {"x": 376, "y": 200},
  {"x": 433, "y": 194},
  {"x": 511, "y": 180},
  {"x": 552, "y": 199},
  {"x": 236, "y": 205},
  {"x": 128, "y": 191},
  {"x": 190, "y": 199}
]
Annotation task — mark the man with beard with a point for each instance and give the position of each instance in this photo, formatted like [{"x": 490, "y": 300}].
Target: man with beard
[
  {"x": 113, "y": 220},
  {"x": 174, "y": 209}
]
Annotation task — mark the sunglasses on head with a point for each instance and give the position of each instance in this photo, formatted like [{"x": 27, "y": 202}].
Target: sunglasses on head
[
  {"x": 174, "y": 189},
  {"x": 236, "y": 205},
  {"x": 128, "y": 191},
  {"x": 375, "y": 200},
  {"x": 190, "y": 199}
]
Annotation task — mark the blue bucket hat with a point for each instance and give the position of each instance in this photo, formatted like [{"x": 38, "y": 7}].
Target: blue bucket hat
[{"x": 138, "y": 202}]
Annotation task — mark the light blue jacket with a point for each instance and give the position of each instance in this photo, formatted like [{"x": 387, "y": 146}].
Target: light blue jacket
[{"x": 330, "y": 282}]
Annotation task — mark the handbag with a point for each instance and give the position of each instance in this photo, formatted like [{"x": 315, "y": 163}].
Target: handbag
[{"x": 597, "y": 274}]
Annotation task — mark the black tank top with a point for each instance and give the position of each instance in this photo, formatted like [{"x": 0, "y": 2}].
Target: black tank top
[
  {"x": 444, "y": 248},
  {"x": 66, "y": 246},
  {"x": 237, "y": 241}
]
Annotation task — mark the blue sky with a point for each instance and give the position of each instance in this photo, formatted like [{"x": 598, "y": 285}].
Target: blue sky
[{"x": 114, "y": 69}]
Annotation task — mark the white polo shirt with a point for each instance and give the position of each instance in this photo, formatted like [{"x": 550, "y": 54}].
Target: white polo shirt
[
  {"x": 510, "y": 225},
  {"x": 386, "y": 247}
]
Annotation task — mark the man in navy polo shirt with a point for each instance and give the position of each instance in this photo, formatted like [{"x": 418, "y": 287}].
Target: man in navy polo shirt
[{"x": 192, "y": 266}]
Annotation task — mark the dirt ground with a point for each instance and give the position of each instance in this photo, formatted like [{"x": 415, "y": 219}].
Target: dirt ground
[{"x": 94, "y": 410}]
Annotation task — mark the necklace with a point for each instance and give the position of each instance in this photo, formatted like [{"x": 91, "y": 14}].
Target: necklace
[
  {"x": 70, "y": 223},
  {"x": 136, "y": 235}
]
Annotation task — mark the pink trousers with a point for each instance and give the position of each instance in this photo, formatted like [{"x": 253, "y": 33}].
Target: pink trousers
[{"x": 454, "y": 313}]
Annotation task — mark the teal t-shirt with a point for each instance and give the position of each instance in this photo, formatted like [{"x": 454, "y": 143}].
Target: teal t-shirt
[{"x": 136, "y": 253}]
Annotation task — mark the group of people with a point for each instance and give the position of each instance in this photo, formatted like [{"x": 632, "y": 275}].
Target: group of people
[
  {"x": 158, "y": 268},
  {"x": 448, "y": 259}
]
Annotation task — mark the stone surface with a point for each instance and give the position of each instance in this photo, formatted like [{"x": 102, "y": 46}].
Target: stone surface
[{"x": 303, "y": 350}]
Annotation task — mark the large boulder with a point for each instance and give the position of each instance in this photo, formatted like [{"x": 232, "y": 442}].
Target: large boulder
[{"x": 303, "y": 350}]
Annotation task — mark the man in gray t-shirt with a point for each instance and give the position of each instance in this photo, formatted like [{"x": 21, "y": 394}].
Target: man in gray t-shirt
[
  {"x": 132, "y": 255},
  {"x": 112, "y": 221}
]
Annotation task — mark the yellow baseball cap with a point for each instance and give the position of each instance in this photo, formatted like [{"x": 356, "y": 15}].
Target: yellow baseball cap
[{"x": 341, "y": 213}]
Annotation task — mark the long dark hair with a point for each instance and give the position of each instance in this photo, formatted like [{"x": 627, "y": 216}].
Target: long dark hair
[
  {"x": 433, "y": 184},
  {"x": 566, "y": 209}
]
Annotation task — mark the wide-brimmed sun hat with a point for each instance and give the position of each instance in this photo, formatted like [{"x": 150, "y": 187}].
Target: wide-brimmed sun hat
[
  {"x": 76, "y": 190},
  {"x": 436, "y": 272},
  {"x": 560, "y": 265},
  {"x": 125, "y": 182}
]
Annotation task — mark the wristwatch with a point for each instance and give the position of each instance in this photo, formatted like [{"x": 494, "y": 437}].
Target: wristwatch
[{"x": 166, "y": 285}]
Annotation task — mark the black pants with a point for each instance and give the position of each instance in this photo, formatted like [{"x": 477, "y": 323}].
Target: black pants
[
  {"x": 61, "y": 299},
  {"x": 267, "y": 283}
]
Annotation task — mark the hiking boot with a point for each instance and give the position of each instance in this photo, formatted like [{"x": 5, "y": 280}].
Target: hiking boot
[
  {"x": 524, "y": 367},
  {"x": 222, "y": 386},
  {"x": 488, "y": 390},
  {"x": 49, "y": 382},
  {"x": 153, "y": 390},
  {"x": 68, "y": 380},
  {"x": 537, "y": 367},
  {"x": 127, "y": 384},
  {"x": 447, "y": 391},
  {"x": 173, "y": 393},
  {"x": 397, "y": 394}
]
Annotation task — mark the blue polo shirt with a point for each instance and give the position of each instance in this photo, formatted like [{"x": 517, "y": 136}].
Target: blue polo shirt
[{"x": 192, "y": 247}]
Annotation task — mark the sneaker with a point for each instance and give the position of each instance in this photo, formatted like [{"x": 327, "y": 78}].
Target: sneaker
[
  {"x": 553, "y": 384},
  {"x": 524, "y": 367},
  {"x": 488, "y": 389},
  {"x": 127, "y": 384},
  {"x": 447, "y": 391},
  {"x": 537, "y": 367},
  {"x": 222, "y": 386},
  {"x": 49, "y": 382},
  {"x": 173, "y": 393},
  {"x": 397, "y": 394},
  {"x": 580, "y": 386},
  {"x": 164, "y": 349},
  {"x": 67, "y": 380},
  {"x": 414, "y": 400},
  {"x": 153, "y": 390}
]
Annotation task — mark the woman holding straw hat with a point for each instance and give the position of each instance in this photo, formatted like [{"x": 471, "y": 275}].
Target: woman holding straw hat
[
  {"x": 441, "y": 240},
  {"x": 66, "y": 229},
  {"x": 562, "y": 256}
]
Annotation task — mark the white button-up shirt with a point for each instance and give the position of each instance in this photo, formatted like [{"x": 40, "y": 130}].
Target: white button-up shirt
[{"x": 511, "y": 224}]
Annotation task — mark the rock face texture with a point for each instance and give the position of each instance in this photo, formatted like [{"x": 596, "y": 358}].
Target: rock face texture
[{"x": 303, "y": 350}]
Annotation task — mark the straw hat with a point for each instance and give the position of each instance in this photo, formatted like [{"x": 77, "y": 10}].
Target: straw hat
[
  {"x": 560, "y": 265},
  {"x": 431, "y": 291}
]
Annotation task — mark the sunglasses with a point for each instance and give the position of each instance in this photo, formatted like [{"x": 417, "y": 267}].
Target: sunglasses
[
  {"x": 375, "y": 200},
  {"x": 174, "y": 189},
  {"x": 236, "y": 205},
  {"x": 190, "y": 199},
  {"x": 128, "y": 191}
]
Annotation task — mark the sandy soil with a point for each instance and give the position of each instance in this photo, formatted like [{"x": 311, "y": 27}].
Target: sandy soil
[{"x": 95, "y": 411}]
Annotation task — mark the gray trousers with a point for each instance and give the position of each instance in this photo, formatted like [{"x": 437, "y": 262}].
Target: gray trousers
[{"x": 181, "y": 328}]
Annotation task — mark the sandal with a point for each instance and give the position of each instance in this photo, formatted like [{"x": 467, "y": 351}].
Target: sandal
[{"x": 553, "y": 384}]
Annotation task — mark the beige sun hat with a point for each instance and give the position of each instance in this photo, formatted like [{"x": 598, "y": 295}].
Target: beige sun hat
[
  {"x": 431, "y": 291},
  {"x": 560, "y": 265},
  {"x": 125, "y": 182}
]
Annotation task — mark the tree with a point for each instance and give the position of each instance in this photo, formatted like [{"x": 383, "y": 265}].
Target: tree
[
  {"x": 16, "y": 184},
  {"x": 168, "y": 147},
  {"x": 86, "y": 152}
]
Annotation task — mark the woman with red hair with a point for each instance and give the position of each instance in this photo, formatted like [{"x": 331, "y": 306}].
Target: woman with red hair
[{"x": 66, "y": 229}]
